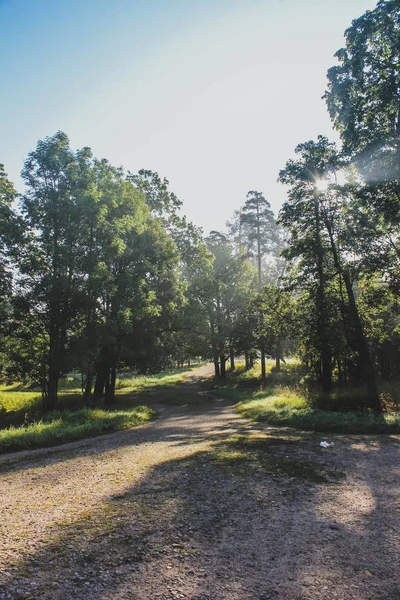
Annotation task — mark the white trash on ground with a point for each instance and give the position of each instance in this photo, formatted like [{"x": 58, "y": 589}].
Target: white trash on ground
[{"x": 326, "y": 444}]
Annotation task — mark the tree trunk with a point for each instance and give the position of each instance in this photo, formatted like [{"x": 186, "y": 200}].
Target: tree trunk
[
  {"x": 322, "y": 320},
  {"x": 362, "y": 346},
  {"x": 216, "y": 367},
  {"x": 326, "y": 374},
  {"x": 223, "y": 366},
  {"x": 263, "y": 368},
  {"x": 87, "y": 395},
  {"x": 278, "y": 357},
  {"x": 110, "y": 386},
  {"x": 52, "y": 388},
  {"x": 100, "y": 383},
  {"x": 340, "y": 373},
  {"x": 232, "y": 359}
]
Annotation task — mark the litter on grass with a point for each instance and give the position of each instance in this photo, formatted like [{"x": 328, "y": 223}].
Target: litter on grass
[{"x": 326, "y": 444}]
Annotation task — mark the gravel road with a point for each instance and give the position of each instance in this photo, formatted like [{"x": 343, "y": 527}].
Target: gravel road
[{"x": 202, "y": 505}]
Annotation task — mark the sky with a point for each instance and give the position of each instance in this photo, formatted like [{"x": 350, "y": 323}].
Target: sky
[{"x": 214, "y": 95}]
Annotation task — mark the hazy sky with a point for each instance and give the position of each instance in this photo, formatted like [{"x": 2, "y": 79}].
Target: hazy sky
[{"x": 212, "y": 94}]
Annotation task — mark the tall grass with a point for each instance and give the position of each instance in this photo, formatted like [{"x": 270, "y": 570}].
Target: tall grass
[
  {"x": 60, "y": 427},
  {"x": 285, "y": 402}
]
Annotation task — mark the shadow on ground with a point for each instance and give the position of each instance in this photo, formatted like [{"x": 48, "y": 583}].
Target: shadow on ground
[{"x": 248, "y": 513}]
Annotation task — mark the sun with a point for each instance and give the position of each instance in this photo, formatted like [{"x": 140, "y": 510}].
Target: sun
[{"x": 321, "y": 184}]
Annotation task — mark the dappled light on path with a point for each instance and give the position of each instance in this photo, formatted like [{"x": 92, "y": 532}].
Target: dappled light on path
[{"x": 204, "y": 505}]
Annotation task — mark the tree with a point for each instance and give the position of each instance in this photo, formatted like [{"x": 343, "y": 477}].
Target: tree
[
  {"x": 277, "y": 328},
  {"x": 319, "y": 236},
  {"x": 260, "y": 234},
  {"x": 363, "y": 93},
  {"x": 229, "y": 287},
  {"x": 48, "y": 262},
  {"x": 113, "y": 215},
  {"x": 301, "y": 215},
  {"x": 363, "y": 99},
  {"x": 163, "y": 203},
  {"x": 10, "y": 235}
]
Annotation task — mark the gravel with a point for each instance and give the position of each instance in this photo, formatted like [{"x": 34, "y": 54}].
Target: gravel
[{"x": 202, "y": 505}]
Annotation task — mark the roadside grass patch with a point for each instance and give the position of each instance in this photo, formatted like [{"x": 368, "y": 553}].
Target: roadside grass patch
[
  {"x": 148, "y": 383},
  {"x": 291, "y": 411},
  {"x": 23, "y": 426},
  {"x": 284, "y": 402},
  {"x": 13, "y": 398},
  {"x": 59, "y": 427}
]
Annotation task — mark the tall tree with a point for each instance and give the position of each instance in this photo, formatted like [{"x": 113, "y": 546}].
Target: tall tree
[
  {"x": 260, "y": 233},
  {"x": 363, "y": 94},
  {"x": 319, "y": 236},
  {"x": 10, "y": 231},
  {"x": 230, "y": 286},
  {"x": 51, "y": 211},
  {"x": 363, "y": 99}
]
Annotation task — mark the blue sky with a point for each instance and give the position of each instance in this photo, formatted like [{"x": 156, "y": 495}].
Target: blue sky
[{"x": 212, "y": 94}]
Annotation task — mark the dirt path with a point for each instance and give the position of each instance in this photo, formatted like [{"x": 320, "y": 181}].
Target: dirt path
[{"x": 202, "y": 505}]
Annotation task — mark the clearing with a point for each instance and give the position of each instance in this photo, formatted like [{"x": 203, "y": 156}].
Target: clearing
[{"x": 204, "y": 505}]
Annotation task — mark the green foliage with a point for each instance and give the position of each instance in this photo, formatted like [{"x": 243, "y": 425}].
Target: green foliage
[
  {"x": 100, "y": 277},
  {"x": 364, "y": 103},
  {"x": 277, "y": 327},
  {"x": 10, "y": 232},
  {"x": 363, "y": 94},
  {"x": 230, "y": 285},
  {"x": 259, "y": 232}
]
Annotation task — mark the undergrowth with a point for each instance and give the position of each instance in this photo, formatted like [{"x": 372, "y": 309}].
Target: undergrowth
[{"x": 284, "y": 402}]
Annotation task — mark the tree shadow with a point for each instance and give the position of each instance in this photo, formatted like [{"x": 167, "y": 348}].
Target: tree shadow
[{"x": 256, "y": 514}]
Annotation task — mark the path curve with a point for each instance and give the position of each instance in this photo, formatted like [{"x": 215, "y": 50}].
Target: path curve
[{"x": 184, "y": 508}]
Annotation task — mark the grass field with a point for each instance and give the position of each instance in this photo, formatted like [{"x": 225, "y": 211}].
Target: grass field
[
  {"x": 285, "y": 402},
  {"x": 23, "y": 426}
]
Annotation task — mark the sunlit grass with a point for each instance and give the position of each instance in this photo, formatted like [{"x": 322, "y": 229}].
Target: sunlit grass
[
  {"x": 148, "y": 383},
  {"x": 14, "y": 400},
  {"x": 285, "y": 403},
  {"x": 292, "y": 411},
  {"x": 15, "y": 397},
  {"x": 59, "y": 427},
  {"x": 22, "y": 424}
]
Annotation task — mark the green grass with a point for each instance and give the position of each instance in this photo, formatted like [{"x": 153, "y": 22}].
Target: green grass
[
  {"x": 166, "y": 379},
  {"x": 285, "y": 403},
  {"x": 16, "y": 398},
  {"x": 60, "y": 427},
  {"x": 22, "y": 425}
]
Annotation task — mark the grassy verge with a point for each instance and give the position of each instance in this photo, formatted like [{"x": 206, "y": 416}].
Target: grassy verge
[
  {"x": 66, "y": 426},
  {"x": 285, "y": 403},
  {"x": 22, "y": 425}
]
